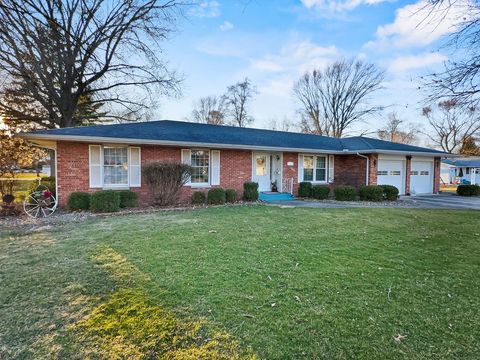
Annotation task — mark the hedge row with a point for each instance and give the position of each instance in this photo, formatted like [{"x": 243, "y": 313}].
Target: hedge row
[
  {"x": 468, "y": 190},
  {"x": 349, "y": 193},
  {"x": 307, "y": 190},
  {"x": 103, "y": 201},
  {"x": 216, "y": 196}
]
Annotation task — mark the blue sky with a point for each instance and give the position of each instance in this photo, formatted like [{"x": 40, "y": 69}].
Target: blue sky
[{"x": 274, "y": 42}]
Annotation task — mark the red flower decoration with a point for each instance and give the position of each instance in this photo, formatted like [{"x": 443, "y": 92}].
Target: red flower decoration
[{"x": 47, "y": 194}]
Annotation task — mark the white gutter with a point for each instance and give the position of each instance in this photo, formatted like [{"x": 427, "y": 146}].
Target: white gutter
[
  {"x": 367, "y": 171},
  {"x": 113, "y": 140}
]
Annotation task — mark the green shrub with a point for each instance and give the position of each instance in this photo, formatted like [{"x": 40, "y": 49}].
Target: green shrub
[
  {"x": 199, "y": 198},
  {"x": 128, "y": 199},
  {"x": 216, "y": 196},
  {"x": 371, "y": 193},
  {"x": 231, "y": 195},
  {"x": 250, "y": 191},
  {"x": 320, "y": 192},
  {"x": 468, "y": 190},
  {"x": 390, "y": 192},
  {"x": 345, "y": 193},
  {"x": 105, "y": 201},
  {"x": 305, "y": 189},
  {"x": 79, "y": 201}
]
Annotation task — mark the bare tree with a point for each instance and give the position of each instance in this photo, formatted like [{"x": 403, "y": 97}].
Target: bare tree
[
  {"x": 460, "y": 78},
  {"x": 392, "y": 131},
  {"x": 451, "y": 124},
  {"x": 237, "y": 98},
  {"x": 281, "y": 125},
  {"x": 210, "y": 110},
  {"x": 336, "y": 98},
  {"x": 54, "y": 52}
]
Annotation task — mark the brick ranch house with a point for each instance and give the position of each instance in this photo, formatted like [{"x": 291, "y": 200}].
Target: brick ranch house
[{"x": 111, "y": 157}]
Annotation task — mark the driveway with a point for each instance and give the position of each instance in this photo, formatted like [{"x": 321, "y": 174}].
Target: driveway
[{"x": 440, "y": 201}]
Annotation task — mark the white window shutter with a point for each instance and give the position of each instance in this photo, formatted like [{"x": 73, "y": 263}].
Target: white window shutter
[
  {"x": 95, "y": 166},
  {"x": 215, "y": 176},
  {"x": 187, "y": 159},
  {"x": 300, "y": 168},
  {"x": 134, "y": 167},
  {"x": 331, "y": 167}
]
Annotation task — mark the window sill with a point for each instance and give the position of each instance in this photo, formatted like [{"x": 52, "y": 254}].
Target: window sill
[
  {"x": 123, "y": 187},
  {"x": 199, "y": 186}
]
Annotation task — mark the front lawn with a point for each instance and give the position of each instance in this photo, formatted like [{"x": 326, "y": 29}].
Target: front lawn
[{"x": 245, "y": 282}]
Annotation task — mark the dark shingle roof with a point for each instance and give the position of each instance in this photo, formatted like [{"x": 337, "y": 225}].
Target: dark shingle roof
[
  {"x": 464, "y": 162},
  {"x": 186, "y": 132}
]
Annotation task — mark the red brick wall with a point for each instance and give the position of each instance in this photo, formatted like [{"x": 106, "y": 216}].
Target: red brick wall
[
  {"x": 350, "y": 170},
  {"x": 408, "y": 168},
  {"x": 73, "y": 169},
  {"x": 372, "y": 173},
  {"x": 436, "y": 175},
  {"x": 289, "y": 172}
]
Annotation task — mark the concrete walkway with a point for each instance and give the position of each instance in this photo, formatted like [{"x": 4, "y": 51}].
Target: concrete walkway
[{"x": 441, "y": 201}]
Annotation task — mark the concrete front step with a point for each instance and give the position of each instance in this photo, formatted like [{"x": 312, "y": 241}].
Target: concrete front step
[{"x": 275, "y": 196}]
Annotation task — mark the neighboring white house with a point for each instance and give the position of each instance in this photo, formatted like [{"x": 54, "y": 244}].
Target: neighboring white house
[{"x": 465, "y": 170}]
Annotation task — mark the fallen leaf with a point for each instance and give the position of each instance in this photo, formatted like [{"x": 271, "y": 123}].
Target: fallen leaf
[
  {"x": 212, "y": 231},
  {"x": 273, "y": 304},
  {"x": 398, "y": 338}
]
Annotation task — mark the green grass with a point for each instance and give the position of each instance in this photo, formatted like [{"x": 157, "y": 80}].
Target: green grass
[{"x": 245, "y": 282}]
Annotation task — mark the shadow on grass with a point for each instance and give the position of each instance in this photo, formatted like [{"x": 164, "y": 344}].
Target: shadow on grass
[{"x": 129, "y": 324}]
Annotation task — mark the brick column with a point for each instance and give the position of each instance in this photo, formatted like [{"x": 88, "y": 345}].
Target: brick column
[
  {"x": 290, "y": 171},
  {"x": 408, "y": 167},
  {"x": 436, "y": 175},
  {"x": 372, "y": 172}
]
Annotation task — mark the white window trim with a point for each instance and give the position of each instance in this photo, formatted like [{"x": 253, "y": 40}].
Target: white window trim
[
  {"x": 208, "y": 183},
  {"x": 103, "y": 185},
  {"x": 315, "y": 181},
  {"x": 114, "y": 186}
]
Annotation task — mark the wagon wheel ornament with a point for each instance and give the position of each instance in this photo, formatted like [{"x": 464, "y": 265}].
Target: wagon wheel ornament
[{"x": 40, "y": 203}]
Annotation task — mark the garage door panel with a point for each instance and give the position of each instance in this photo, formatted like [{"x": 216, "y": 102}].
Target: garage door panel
[
  {"x": 391, "y": 172},
  {"x": 421, "y": 177}
]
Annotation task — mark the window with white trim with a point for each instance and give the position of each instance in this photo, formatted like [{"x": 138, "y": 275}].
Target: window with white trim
[
  {"x": 200, "y": 162},
  {"x": 115, "y": 166},
  {"x": 314, "y": 168}
]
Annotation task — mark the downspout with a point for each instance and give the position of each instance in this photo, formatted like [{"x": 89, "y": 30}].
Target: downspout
[{"x": 367, "y": 170}]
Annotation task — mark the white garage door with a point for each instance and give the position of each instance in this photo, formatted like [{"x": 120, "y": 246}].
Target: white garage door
[
  {"x": 391, "y": 172},
  {"x": 421, "y": 177}
]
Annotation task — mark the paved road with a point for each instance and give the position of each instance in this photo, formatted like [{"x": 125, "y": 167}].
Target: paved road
[{"x": 441, "y": 201}]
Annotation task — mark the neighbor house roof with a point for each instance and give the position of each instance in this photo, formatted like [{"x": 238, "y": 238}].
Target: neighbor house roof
[
  {"x": 464, "y": 162},
  {"x": 180, "y": 133}
]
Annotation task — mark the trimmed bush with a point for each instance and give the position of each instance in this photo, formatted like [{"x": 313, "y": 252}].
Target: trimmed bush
[
  {"x": 128, "y": 199},
  {"x": 371, "y": 193},
  {"x": 468, "y": 190},
  {"x": 305, "y": 189},
  {"x": 105, "y": 201},
  {"x": 390, "y": 192},
  {"x": 320, "y": 192},
  {"x": 216, "y": 196},
  {"x": 250, "y": 191},
  {"x": 231, "y": 195},
  {"x": 345, "y": 193},
  {"x": 79, "y": 201},
  {"x": 199, "y": 198}
]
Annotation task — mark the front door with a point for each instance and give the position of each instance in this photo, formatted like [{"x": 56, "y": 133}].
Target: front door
[{"x": 261, "y": 171}]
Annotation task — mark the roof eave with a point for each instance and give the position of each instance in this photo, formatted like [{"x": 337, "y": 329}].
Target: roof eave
[{"x": 113, "y": 140}]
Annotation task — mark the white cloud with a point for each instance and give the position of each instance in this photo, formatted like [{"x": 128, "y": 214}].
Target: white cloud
[
  {"x": 414, "y": 62},
  {"x": 227, "y": 25},
  {"x": 205, "y": 9},
  {"x": 417, "y": 25},
  {"x": 279, "y": 71},
  {"x": 338, "y": 5}
]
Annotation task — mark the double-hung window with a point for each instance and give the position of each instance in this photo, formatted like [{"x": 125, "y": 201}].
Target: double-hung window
[
  {"x": 115, "y": 166},
  {"x": 200, "y": 162},
  {"x": 315, "y": 168}
]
